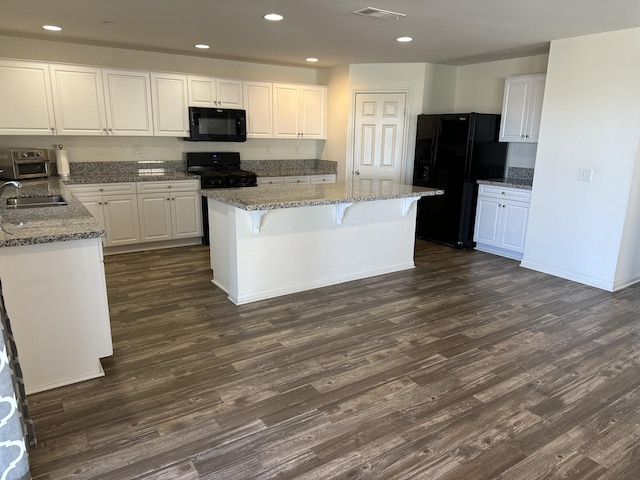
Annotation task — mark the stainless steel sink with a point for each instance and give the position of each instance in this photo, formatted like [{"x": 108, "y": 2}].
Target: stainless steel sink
[{"x": 36, "y": 202}]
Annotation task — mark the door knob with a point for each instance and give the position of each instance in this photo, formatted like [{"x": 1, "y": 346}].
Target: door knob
[{"x": 357, "y": 172}]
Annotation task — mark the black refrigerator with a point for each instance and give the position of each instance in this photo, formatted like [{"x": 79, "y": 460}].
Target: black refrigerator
[{"x": 452, "y": 152}]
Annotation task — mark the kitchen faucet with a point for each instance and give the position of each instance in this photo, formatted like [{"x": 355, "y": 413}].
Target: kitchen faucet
[{"x": 10, "y": 182}]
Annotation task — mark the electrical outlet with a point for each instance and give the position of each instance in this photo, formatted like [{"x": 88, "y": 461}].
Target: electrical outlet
[
  {"x": 585, "y": 174},
  {"x": 136, "y": 149}
]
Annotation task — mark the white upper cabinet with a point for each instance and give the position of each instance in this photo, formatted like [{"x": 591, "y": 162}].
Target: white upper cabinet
[
  {"x": 78, "y": 100},
  {"x": 522, "y": 108},
  {"x": 299, "y": 111},
  {"x": 128, "y": 100},
  {"x": 170, "y": 104},
  {"x": 258, "y": 104},
  {"x": 313, "y": 112},
  {"x": 25, "y": 99},
  {"x": 215, "y": 92}
]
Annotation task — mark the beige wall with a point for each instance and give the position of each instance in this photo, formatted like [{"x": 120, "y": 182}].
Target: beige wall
[
  {"x": 62, "y": 52},
  {"x": 338, "y": 111},
  {"x": 589, "y": 231}
]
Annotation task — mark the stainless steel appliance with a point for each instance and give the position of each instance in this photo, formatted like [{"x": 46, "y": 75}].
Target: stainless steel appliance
[
  {"x": 218, "y": 170},
  {"x": 217, "y": 125},
  {"x": 452, "y": 152},
  {"x": 24, "y": 163}
]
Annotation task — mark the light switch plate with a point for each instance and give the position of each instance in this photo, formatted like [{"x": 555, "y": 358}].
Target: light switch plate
[{"x": 585, "y": 174}]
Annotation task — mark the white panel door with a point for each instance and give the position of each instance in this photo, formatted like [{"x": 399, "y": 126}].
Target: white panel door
[
  {"x": 487, "y": 226},
  {"x": 286, "y": 108},
  {"x": 128, "y": 98},
  {"x": 186, "y": 214},
  {"x": 26, "y": 106},
  {"x": 380, "y": 120},
  {"x": 155, "y": 217},
  {"x": 313, "y": 104},
  {"x": 514, "y": 225},
  {"x": 229, "y": 93},
  {"x": 514, "y": 109},
  {"x": 121, "y": 219},
  {"x": 258, "y": 104},
  {"x": 78, "y": 100},
  {"x": 170, "y": 104}
]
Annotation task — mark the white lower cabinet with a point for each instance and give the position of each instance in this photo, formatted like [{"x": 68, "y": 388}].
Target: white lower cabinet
[
  {"x": 169, "y": 210},
  {"x": 136, "y": 213},
  {"x": 501, "y": 220},
  {"x": 297, "y": 179},
  {"x": 115, "y": 206}
]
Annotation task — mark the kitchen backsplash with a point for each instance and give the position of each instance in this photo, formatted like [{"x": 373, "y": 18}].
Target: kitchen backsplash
[{"x": 520, "y": 173}]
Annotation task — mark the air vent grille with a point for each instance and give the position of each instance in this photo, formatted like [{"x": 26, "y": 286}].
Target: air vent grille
[{"x": 378, "y": 13}]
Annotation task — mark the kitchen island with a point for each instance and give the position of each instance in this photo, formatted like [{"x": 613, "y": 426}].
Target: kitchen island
[
  {"x": 268, "y": 241},
  {"x": 53, "y": 284}
]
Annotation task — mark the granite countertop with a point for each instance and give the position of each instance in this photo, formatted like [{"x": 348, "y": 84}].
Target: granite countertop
[
  {"x": 28, "y": 226},
  {"x": 524, "y": 184},
  {"x": 271, "y": 197}
]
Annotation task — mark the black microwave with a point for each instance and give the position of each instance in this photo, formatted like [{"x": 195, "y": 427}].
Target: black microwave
[{"x": 217, "y": 125}]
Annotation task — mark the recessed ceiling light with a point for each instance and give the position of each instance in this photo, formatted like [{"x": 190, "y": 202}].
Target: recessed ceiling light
[
  {"x": 312, "y": 59},
  {"x": 203, "y": 46},
  {"x": 273, "y": 17},
  {"x": 52, "y": 28},
  {"x": 404, "y": 39}
]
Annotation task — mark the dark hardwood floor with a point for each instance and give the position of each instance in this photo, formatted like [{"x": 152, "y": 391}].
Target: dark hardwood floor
[{"x": 466, "y": 367}]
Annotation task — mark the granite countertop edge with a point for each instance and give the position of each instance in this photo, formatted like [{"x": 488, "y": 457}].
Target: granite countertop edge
[
  {"x": 253, "y": 199},
  {"x": 507, "y": 182}
]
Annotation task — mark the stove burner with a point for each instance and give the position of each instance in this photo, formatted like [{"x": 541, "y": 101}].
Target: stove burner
[{"x": 219, "y": 170}]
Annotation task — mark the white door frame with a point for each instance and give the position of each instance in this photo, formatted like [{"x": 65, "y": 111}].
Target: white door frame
[{"x": 352, "y": 125}]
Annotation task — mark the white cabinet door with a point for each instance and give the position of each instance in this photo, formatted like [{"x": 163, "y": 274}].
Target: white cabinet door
[
  {"x": 215, "y": 92},
  {"x": 26, "y": 106},
  {"x": 487, "y": 226},
  {"x": 286, "y": 111},
  {"x": 229, "y": 93},
  {"x": 522, "y": 108},
  {"x": 313, "y": 112},
  {"x": 170, "y": 103},
  {"x": 128, "y": 100},
  {"x": 514, "y": 109},
  {"x": 186, "y": 214},
  {"x": 78, "y": 100},
  {"x": 258, "y": 104},
  {"x": 155, "y": 217},
  {"x": 538, "y": 83},
  {"x": 202, "y": 91},
  {"x": 514, "y": 225},
  {"x": 121, "y": 219}
]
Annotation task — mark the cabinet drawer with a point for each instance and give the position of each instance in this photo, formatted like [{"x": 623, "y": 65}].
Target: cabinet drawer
[
  {"x": 301, "y": 179},
  {"x": 270, "y": 180},
  {"x": 323, "y": 179},
  {"x": 506, "y": 193},
  {"x": 169, "y": 186},
  {"x": 103, "y": 189}
]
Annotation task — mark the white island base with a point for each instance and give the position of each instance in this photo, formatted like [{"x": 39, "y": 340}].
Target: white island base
[{"x": 262, "y": 254}]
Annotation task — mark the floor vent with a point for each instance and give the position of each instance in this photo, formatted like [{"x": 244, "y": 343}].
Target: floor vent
[{"x": 378, "y": 13}]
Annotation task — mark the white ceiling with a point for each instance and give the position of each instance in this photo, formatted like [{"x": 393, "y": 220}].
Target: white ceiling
[{"x": 454, "y": 32}]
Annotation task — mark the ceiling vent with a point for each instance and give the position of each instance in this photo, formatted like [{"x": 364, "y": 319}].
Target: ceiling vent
[{"x": 378, "y": 13}]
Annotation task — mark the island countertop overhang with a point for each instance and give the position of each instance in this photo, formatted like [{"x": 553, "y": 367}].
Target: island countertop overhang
[{"x": 273, "y": 197}]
